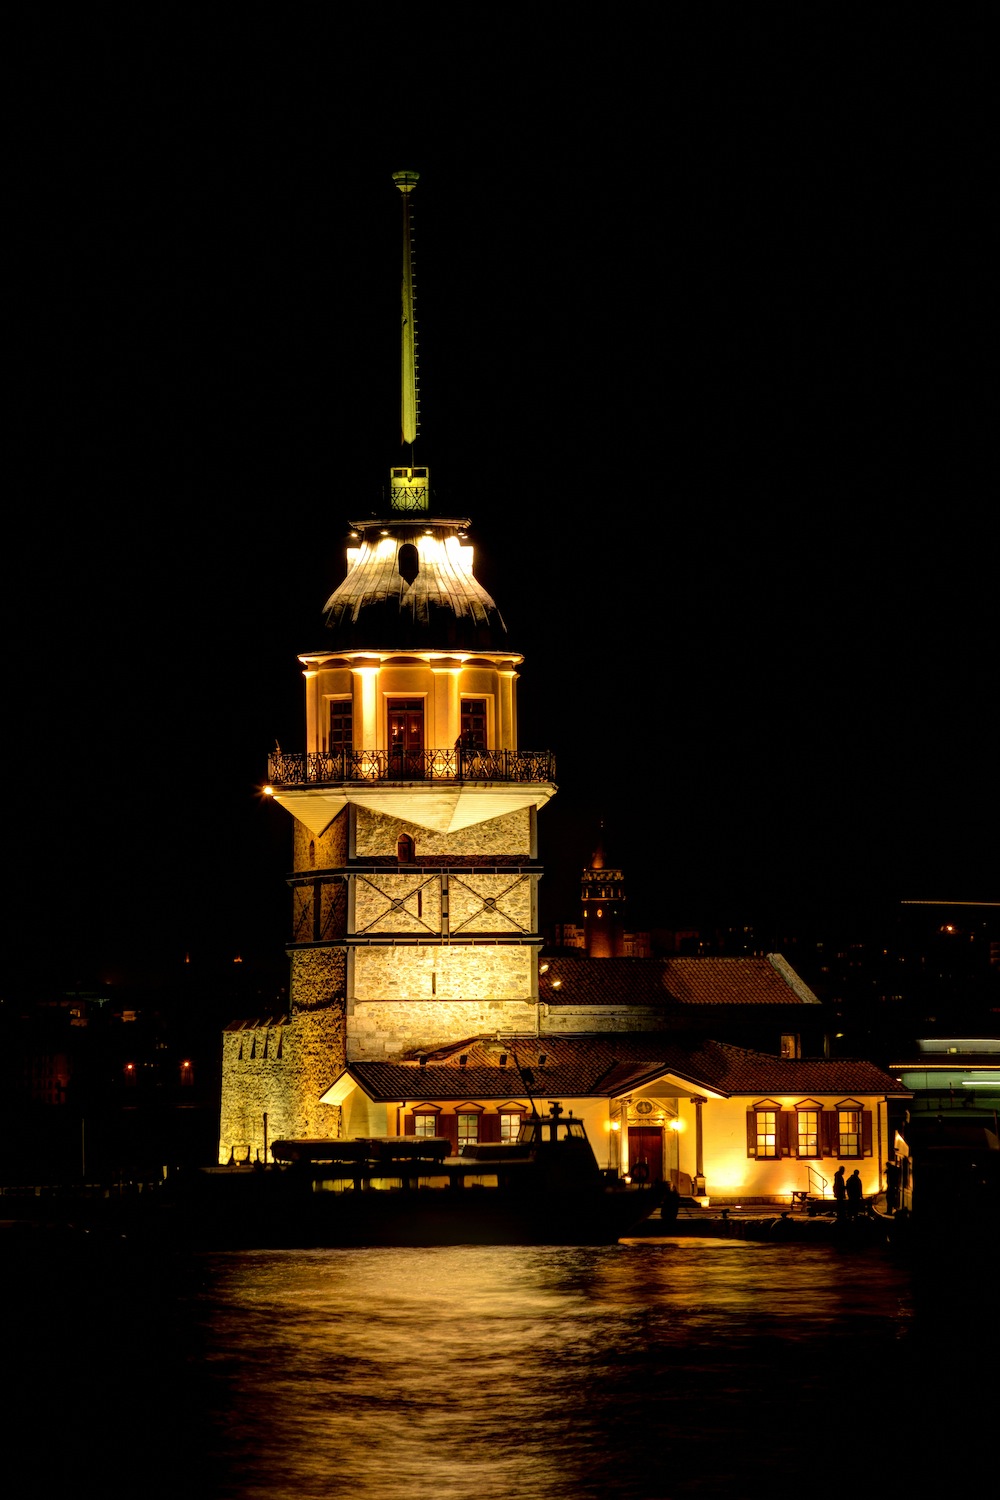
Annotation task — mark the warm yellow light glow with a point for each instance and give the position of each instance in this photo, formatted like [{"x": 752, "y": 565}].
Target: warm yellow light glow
[
  {"x": 556, "y": 983},
  {"x": 269, "y": 791},
  {"x": 678, "y": 1125},
  {"x": 616, "y": 1124},
  {"x": 731, "y": 1181}
]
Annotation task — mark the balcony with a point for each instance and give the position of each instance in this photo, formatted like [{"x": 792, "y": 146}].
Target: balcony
[{"x": 334, "y": 768}]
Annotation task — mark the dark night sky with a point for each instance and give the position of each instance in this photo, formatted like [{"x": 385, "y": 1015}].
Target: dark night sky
[{"x": 703, "y": 332}]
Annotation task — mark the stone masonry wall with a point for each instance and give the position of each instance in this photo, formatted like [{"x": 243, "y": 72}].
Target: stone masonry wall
[
  {"x": 323, "y": 851},
  {"x": 385, "y": 1029},
  {"x": 437, "y": 974},
  {"x": 376, "y": 834},
  {"x": 280, "y": 1070},
  {"x": 572, "y": 1021},
  {"x": 387, "y": 902}
]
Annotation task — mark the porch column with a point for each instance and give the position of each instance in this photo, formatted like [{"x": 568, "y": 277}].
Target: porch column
[{"x": 698, "y": 1186}]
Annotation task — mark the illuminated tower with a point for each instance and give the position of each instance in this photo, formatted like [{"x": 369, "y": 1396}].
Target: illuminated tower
[
  {"x": 602, "y": 897},
  {"x": 415, "y": 872}
]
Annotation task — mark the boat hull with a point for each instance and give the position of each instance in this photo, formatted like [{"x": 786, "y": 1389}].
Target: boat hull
[{"x": 269, "y": 1213}]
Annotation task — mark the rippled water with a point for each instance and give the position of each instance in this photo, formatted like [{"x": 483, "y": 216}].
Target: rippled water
[{"x": 646, "y": 1371}]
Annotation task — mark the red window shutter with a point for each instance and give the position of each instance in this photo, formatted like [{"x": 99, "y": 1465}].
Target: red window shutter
[
  {"x": 751, "y": 1132},
  {"x": 785, "y": 1119},
  {"x": 829, "y": 1134},
  {"x": 866, "y": 1132},
  {"x": 489, "y": 1127},
  {"x": 447, "y": 1125},
  {"x": 408, "y": 1126}
]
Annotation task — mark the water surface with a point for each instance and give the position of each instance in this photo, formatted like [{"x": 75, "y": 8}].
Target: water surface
[{"x": 646, "y": 1371}]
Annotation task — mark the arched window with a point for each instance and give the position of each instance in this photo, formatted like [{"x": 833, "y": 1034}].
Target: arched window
[{"x": 405, "y": 849}]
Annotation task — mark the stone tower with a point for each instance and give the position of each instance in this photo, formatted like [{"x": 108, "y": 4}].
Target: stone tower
[
  {"x": 602, "y": 902},
  {"x": 415, "y": 870}
]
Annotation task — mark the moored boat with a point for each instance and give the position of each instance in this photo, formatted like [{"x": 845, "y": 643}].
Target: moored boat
[{"x": 544, "y": 1188}]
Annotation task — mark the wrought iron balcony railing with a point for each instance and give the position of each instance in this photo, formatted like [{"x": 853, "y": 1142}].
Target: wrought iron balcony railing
[{"x": 323, "y": 767}]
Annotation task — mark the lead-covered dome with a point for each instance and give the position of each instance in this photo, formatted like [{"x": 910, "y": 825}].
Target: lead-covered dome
[{"x": 410, "y": 584}]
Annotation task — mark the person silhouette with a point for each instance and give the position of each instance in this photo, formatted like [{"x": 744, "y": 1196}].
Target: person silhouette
[
  {"x": 855, "y": 1193},
  {"x": 840, "y": 1192},
  {"x": 891, "y": 1186}
]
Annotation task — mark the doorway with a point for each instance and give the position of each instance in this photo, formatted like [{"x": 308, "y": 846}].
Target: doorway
[
  {"x": 406, "y": 736},
  {"x": 645, "y": 1149}
]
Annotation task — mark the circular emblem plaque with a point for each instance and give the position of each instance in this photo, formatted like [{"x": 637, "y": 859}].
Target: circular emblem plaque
[{"x": 644, "y": 1107}]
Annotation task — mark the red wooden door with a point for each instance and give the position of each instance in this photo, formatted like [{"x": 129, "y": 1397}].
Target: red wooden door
[{"x": 645, "y": 1145}]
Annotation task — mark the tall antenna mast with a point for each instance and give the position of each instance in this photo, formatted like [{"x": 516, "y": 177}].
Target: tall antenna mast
[{"x": 410, "y": 409}]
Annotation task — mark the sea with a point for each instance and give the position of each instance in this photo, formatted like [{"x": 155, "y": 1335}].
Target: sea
[{"x": 647, "y": 1370}]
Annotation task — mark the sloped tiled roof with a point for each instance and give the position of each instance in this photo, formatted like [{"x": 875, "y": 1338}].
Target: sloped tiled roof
[
  {"x": 605, "y": 1067},
  {"x": 667, "y": 982}
]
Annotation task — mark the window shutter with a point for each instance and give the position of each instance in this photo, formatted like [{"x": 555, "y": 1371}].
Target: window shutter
[
  {"x": 447, "y": 1125},
  {"x": 866, "y": 1132},
  {"x": 829, "y": 1134},
  {"x": 751, "y": 1132},
  {"x": 489, "y": 1127},
  {"x": 408, "y": 1125},
  {"x": 785, "y": 1119}
]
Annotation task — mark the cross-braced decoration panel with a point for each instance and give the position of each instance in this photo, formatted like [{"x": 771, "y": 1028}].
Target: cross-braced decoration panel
[
  {"x": 490, "y": 903},
  {"x": 389, "y": 903}
]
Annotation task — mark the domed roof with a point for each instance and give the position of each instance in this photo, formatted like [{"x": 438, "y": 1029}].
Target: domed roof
[{"x": 411, "y": 585}]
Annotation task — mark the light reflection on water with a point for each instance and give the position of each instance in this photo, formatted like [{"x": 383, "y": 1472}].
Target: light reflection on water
[{"x": 643, "y": 1371}]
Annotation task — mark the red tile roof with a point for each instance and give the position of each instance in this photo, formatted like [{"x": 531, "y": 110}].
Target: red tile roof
[
  {"x": 668, "y": 982},
  {"x": 607, "y": 1066}
]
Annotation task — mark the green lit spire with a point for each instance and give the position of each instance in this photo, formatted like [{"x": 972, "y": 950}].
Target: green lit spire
[{"x": 410, "y": 411}]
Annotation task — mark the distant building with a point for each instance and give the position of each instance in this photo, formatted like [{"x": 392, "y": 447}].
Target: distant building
[{"x": 604, "y": 930}]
